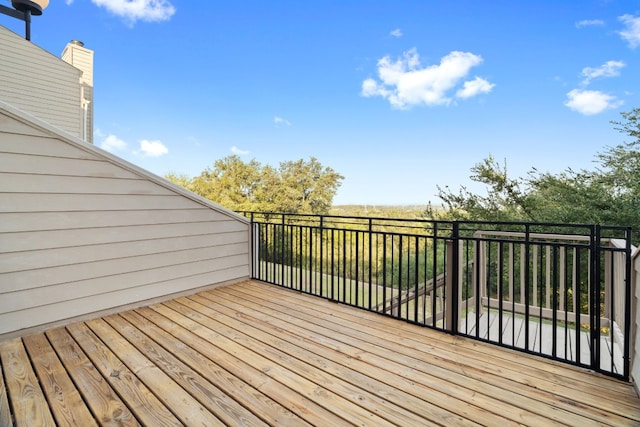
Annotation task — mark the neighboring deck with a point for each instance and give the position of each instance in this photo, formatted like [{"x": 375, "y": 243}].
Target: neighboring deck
[
  {"x": 256, "y": 354},
  {"x": 541, "y": 338}
]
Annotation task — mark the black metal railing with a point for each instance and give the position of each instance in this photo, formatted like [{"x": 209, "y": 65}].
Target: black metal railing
[{"x": 557, "y": 290}]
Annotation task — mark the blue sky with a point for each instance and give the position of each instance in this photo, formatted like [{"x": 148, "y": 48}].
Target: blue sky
[{"x": 397, "y": 96}]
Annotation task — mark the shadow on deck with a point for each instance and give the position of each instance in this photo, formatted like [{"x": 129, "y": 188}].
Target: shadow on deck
[{"x": 256, "y": 354}]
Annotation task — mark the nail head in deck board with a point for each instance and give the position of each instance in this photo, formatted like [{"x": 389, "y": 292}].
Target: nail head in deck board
[
  {"x": 175, "y": 398},
  {"x": 139, "y": 399},
  {"x": 100, "y": 397},
  {"x": 64, "y": 400},
  {"x": 30, "y": 408}
]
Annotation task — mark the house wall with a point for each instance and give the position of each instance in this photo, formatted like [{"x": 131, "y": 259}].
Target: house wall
[
  {"x": 80, "y": 57},
  {"x": 36, "y": 81},
  {"x": 82, "y": 231}
]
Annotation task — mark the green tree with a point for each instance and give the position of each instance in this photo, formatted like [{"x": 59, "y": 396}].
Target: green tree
[
  {"x": 609, "y": 194},
  {"x": 231, "y": 182},
  {"x": 180, "y": 179},
  {"x": 295, "y": 187},
  {"x": 307, "y": 187}
]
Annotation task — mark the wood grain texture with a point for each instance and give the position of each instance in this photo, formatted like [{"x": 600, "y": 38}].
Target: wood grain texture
[
  {"x": 252, "y": 354},
  {"x": 101, "y": 399},
  {"x": 65, "y": 402},
  {"x": 139, "y": 398},
  {"x": 5, "y": 411},
  {"x": 30, "y": 407}
]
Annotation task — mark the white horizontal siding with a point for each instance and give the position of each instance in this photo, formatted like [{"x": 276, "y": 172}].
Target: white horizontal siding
[
  {"x": 82, "y": 231},
  {"x": 39, "y": 315},
  {"x": 39, "y": 83}
]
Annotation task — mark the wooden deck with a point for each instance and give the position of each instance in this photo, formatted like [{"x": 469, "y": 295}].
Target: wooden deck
[{"x": 255, "y": 354}]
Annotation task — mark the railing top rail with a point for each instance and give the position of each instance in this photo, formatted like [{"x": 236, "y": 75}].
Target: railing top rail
[
  {"x": 547, "y": 236},
  {"x": 559, "y": 230}
]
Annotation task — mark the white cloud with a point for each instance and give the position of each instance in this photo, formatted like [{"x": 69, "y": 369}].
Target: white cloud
[
  {"x": 239, "y": 152},
  {"x": 280, "y": 121},
  {"x": 111, "y": 143},
  {"x": 590, "y": 102},
  {"x": 590, "y": 23},
  {"x": 608, "y": 69},
  {"x": 152, "y": 148},
  {"x": 397, "y": 33},
  {"x": 632, "y": 31},
  {"x": 405, "y": 83},
  {"x": 139, "y": 10},
  {"x": 68, "y": 2},
  {"x": 474, "y": 87}
]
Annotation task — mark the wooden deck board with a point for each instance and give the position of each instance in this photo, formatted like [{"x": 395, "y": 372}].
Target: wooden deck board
[
  {"x": 450, "y": 368},
  {"x": 28, "y": 403},
  {"x": 64, "y": 400},
  {"x": 255, "y": 354}
]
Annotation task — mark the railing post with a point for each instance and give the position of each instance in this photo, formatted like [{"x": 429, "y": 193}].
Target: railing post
[
  {"x": 594, "y": 287},
  {"x": 252, "y": 247},
  {"x": 628, "y": 303},
  {"x": 452, "y": 281}
]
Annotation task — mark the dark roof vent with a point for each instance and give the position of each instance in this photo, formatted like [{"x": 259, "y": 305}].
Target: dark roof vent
[{"x": 77, "y": 43}]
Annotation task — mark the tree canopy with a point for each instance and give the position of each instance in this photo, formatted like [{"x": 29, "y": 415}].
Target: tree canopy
[
  {"x": 294, "y": 187},
  {"x": 609, "y": 194}
]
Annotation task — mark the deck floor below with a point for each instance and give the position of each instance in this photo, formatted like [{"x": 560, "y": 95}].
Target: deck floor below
[
  {"x": 256, "y": 354},
  {"x": 510, "y": 331}
]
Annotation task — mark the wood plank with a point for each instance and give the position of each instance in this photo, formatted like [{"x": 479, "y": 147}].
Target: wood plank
[
  {"x": 104, "y": 403},
  {"x": 30, "y": 407},
  {"x": 537, "y": 367},
  {"x": 206, "y": 393},
  {"x": 284, "y": 354},
  {"x": 478, "y": 395},
  {"x": 140, "y": 400},
  {"x": 205, "y": 341},
  {"x": 205, "y": 364},
  {"x": 65, "y": 401},
  {"x": 556, "y": 383},
  {"x": 5, "y": 411},
  {"x": 172, "y": 396},
  {"x": 257, "y": 354},
  {"x": 406, "y": 394},
  {"x": 346, "y": 408}
]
